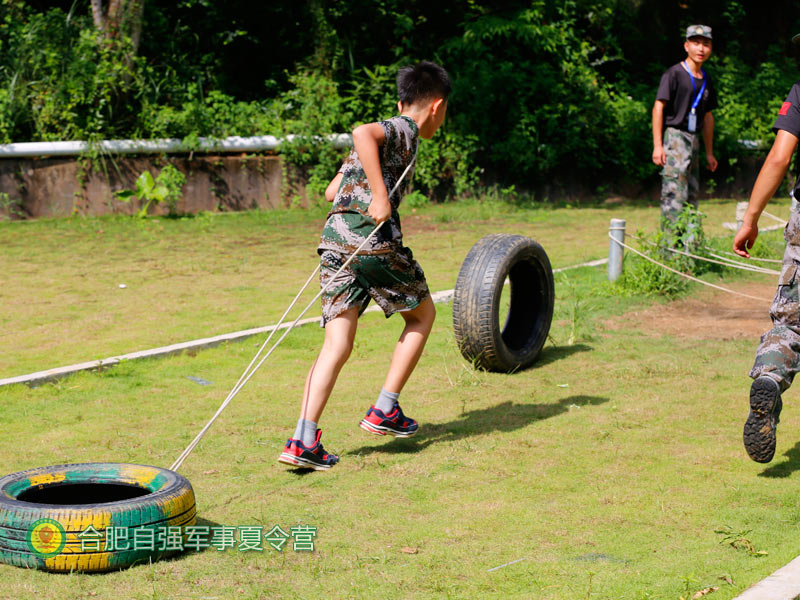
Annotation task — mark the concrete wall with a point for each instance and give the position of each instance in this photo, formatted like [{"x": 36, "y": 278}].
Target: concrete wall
[{"x": 51, "y": 187}]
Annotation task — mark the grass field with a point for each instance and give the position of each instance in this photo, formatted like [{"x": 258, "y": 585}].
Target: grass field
[
  {"x": 609, "y": 468},
  {"x": 195, "y": 277}
]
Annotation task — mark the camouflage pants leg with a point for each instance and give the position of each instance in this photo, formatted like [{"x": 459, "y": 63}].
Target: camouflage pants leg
[
  {"x": 778, "y": 355},
  {"x": 680, "y": 176}
]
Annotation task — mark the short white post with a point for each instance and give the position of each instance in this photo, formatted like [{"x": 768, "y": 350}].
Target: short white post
[
  {"x": 741, "y": 208},
  {"x": 615, "y": 251}
]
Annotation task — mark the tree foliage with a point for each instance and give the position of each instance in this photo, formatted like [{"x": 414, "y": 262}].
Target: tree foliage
[{"x": 543, "y": 91}]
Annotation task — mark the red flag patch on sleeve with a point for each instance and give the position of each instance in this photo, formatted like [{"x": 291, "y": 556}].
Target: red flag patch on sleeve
[{"x": 785, "y": 108}]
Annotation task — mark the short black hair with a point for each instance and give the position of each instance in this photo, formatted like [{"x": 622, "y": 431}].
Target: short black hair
[{"x": 421, "y": 82}]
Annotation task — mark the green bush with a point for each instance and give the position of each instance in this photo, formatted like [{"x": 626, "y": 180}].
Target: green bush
[
  {"x": 215, "y": 115},
  {"x": 61, "y": 80},
  {"x": 544, "y": 93},
  {"x": 166, "y": 188},
  {"x": 686, "y": 236}
]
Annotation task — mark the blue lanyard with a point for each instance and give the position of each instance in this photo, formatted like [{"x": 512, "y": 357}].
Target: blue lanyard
[{"x": 694, "y": 87}]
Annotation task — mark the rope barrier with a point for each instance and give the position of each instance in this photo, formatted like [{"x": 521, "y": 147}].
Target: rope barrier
[
  {"x": 718, "y": 287},
  {"x": 738, "y": 264},
  {"x": 251, "y": 370},
  {"x": 773, "y": 217},
  {"x": 731, "y": 264},
  {"x": 769, "y": 260}
]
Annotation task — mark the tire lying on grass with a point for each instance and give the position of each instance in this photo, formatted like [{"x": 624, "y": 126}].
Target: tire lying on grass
[
  {"x": 43, "y": 511},
  {"x": 476, "y": 303}
]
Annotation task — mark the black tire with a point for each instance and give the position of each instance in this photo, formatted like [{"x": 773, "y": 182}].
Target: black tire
[
  {"x": 135, "y": 497},
  {"x": 476, "y": 303}
]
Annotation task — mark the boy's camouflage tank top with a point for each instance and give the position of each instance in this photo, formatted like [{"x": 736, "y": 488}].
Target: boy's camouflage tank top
[{"x": 348, "y": 223}]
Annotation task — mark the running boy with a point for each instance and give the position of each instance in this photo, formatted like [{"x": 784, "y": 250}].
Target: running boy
[
  {"x": 384, "y": 271},
  {"x": 778, "y": 356}
]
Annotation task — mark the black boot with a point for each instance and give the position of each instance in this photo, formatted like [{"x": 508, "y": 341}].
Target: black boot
[{"x": 765, "y": 412}]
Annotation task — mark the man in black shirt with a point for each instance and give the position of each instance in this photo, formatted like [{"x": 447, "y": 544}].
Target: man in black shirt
[
  {"x": 778, "y": 355},
  {"x": 683, "y": 105}
]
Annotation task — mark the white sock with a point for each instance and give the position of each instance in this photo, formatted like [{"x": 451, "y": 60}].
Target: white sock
[
  {"x": 306, "y": 432},
  {"x": 386, "y": 400}
]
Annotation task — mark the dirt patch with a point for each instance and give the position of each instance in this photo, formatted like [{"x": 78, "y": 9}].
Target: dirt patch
[
  {"x": 413, "y": 223},
  {"x": 711, "y": 315}
]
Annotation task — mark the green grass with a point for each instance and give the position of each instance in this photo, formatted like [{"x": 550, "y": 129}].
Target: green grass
[
  {"x": 197, "y": 277},
  {"x": 608, "y": 467}
]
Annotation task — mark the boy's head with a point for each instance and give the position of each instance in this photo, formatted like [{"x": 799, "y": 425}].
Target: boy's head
[
  {"x": 423, "y": 89},
  {"x": 422, "y": 82},
  {"x": 698, "y": 43}
]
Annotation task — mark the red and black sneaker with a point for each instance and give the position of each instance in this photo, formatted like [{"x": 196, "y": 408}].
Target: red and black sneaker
[
  {"x": 314, "y": 457},
  {"x": 393, "y": 423}
]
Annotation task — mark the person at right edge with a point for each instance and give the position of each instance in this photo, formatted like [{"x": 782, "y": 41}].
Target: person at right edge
[
  {"x": 681, "y": 111},
  {"x": 778, "y": 356}
]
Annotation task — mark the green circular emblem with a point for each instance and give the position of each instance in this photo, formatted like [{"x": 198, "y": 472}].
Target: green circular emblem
[{"x": 46, "y": 538}]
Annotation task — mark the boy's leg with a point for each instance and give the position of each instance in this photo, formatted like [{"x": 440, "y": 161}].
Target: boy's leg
[
  {"x": 339, "y": 335},
  {"x": 777, "y": 357},
  {"x": 385, "y": 416},
  {"x": 305, "y": 448},
  {"x": 419, "y": 323},
  {"x": 675, "y": 174},
  {"x": 693, "y": 172}
]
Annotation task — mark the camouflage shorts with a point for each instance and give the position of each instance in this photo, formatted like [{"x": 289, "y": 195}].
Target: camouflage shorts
[{"x": 394, "y": 280}]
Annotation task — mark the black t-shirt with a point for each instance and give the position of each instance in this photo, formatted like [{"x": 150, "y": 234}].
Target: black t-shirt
[
  {"x": 676, "y": 90},
  {"x": 789, "y": 120},
  {"x": 789, "y": 114}
]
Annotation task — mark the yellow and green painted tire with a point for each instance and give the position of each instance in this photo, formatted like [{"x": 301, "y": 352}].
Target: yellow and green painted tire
[{"x": 38, "y": 531}]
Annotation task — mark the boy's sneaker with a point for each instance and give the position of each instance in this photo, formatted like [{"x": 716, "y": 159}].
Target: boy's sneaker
[
  {"x": 313, "y": 457},
  {"x": 393, "y": 423},
  {"x": 765, "y": 412}
]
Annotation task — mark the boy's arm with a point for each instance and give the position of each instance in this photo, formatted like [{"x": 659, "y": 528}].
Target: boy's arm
[
  {"x": 769, "y": 179},
  {"x": 333, "y": 187},
  {"x": 366, "y": 140},
  {"x": 659, "y": 157},
  {"x": 708, "y": 140}
]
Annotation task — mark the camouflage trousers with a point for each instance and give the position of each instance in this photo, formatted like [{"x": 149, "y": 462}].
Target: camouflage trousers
[
  {"x": 680, "y": 176},
  {"x": 393, "y": 279},
  {"x": 778, "y": 355}
]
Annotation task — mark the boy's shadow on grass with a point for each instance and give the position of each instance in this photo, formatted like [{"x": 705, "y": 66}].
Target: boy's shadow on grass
[
  {"x": 785, "y": 468},
  {"x": 553, "y": 353},
  {"x": 505, "y": 416}
]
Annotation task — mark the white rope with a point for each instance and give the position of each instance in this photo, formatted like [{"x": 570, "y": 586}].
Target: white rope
[
  {"x": 768, "y": 260},
  {"x": 250, "y": 370},
  {"x": 731, "y": 264},
  {"x": 773, "y": 217},
  {"x": 624, "y": 245},
  {"x": 742, "y": 265}
]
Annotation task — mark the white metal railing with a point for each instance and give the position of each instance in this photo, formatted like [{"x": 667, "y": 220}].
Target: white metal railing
[{"x": 165, "y": 146}]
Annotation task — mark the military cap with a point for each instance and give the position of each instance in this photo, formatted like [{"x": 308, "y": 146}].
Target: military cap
[{"x": 698, "y": 31}]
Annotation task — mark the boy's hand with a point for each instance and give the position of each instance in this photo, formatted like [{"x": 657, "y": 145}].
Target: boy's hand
[
  {"x": 379, "y": 208},
  {"x": 659, "y": 156},
  {"x": 745, "y": 238},
  {"x": 333, "y": 187},
  {"x": 712, "y": 162}
]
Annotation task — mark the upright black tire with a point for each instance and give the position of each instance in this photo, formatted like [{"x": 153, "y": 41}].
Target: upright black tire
[{"x": 476, "y": 303}]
